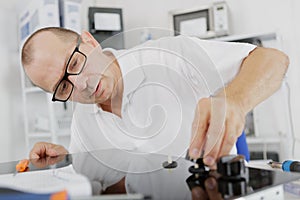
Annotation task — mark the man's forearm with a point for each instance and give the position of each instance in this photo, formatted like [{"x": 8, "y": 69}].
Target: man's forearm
[{"x": 261, "y": 74}]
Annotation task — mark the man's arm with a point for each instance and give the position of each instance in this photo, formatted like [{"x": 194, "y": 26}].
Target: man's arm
[{"x": 261, "y": 74}]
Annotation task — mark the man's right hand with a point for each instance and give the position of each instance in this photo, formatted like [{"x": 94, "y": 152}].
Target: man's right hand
[{"x": 45, "y": 149}]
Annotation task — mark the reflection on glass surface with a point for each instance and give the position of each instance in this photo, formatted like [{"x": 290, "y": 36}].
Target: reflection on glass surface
[{"x": 119, "y": 172}]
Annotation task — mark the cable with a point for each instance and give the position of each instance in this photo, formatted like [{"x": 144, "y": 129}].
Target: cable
[{"x": 291, "y": 117}]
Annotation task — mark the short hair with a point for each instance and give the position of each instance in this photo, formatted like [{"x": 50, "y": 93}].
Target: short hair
[{"x": 65, "y": 34}]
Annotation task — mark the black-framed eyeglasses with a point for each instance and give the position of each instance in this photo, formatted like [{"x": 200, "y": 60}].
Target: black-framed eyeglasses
[{"x": 74, "y": 66}]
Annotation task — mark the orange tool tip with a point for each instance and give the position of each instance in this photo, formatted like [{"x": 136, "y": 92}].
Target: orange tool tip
[
  {"x": 62, "y": 195},
  {"x": 22, "y": 165}
]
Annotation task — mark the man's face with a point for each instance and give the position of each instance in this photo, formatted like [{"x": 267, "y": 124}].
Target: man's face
[{"x": 95, "y": 84}]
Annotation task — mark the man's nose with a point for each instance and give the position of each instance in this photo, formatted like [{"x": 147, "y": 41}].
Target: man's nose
[{"x": 79, "y": 81}]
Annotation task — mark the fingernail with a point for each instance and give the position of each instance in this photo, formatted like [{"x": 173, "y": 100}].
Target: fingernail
[
  {"x": 34, "y": 157},
  {"x": 194, "y": 153},
  {"x": 210, "y": 183},
  {"x": 208, "y": 160}
]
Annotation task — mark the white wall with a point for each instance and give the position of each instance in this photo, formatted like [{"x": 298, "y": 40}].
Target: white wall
[
  {"x": 295, "y": 70},
  {"x": 247, "y": 16},
  {"x": 12, "y": 135}
]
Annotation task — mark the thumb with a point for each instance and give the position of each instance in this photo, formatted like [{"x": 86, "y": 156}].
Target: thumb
[
  {"x": 51, "y": 152},
  {"x": 34, "y": 155}
]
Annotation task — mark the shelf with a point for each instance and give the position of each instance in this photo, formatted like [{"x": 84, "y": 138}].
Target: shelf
[
  {"x": 63, "y": 134},
  {"x": 39, "y": 135},
  {"x": 45, "y": 134},
  {"x": 260, "y": 140},
  {"x": 262, "y": 36}
]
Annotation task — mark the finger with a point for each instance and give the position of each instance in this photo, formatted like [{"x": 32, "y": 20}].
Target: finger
[
  {"x": 199, "y": 128},
  {"x": 33, "y": 155},
  {"x": 214, "y": 139},
  {"x": 38, "y": 151},
  {"x": 228, "y": 141},
  {"x": 46, "y": 161},
  {"x": 61, "y": 150},
  {"x": 54, "y": 150},
  {"x": 44, "y": 149},
  {"x": 199, "y": 194},
  {"x": 212, "y": 190},
  {"x": 215, "y": 132}
]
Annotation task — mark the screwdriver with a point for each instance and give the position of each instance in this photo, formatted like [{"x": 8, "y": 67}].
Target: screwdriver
[
  {"x": 22, "y": 166},
  {"x": 288, "y": 165}
]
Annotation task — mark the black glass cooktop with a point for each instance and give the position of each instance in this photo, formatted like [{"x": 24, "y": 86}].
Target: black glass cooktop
[{"x": 160, "y": 176}]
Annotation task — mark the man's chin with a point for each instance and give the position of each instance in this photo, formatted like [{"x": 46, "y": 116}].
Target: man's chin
[
  {"x": 96, "y": 100},
  {"x": 88, "y": 101}
]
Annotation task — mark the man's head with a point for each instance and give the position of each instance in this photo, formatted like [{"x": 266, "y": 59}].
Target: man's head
[{"x": 47, "y": 52}]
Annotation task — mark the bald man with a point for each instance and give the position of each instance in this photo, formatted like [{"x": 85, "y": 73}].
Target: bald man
[{"x": 110, "y": 87}]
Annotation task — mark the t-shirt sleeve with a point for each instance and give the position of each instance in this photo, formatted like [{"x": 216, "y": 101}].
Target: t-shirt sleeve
[
  {"x": 207, "y": 65},
  {"x": 227, "y": 56}
]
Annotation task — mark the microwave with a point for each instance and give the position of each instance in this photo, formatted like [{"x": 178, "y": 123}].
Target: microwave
[{"x": 204, "y": 22}]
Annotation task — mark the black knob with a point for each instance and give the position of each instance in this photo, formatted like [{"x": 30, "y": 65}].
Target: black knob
[
  {"x": 231, "y": 166},
  {"x": 230, "y": 188},
  {"x": 200, "y": 167},
  {"x": 199, "y": 174}
]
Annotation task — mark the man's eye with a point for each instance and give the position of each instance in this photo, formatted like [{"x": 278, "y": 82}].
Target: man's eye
[
  {"x": 74, "y": 63},
  {"x": 63, "y": 87}
]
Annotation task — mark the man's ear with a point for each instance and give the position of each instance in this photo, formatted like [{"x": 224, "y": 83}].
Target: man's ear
[{"x": 86, "y": 37}]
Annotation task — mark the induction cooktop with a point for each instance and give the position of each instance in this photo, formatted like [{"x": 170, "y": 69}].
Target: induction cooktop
[{"x": 155, "y": 176}]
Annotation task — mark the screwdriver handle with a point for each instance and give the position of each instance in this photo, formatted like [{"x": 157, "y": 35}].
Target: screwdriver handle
[
  {"x": 22, "y": 165},
  {"x": 291, "y": 166}
]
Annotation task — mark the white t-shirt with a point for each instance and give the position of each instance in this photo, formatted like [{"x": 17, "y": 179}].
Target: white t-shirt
[{"x": 163, "y": 81}]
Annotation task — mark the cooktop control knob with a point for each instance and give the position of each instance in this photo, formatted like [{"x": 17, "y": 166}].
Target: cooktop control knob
[{"x": 231, "y": 166}]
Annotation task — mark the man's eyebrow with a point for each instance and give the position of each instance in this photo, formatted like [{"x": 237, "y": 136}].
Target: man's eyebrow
[{"x": 67, "y": 57}]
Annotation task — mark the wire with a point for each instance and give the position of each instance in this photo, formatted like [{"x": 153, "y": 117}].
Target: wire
[{"x": 291, "y": 117}]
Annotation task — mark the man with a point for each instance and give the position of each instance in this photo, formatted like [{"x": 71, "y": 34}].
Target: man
[{"x": 213, "y": 85}]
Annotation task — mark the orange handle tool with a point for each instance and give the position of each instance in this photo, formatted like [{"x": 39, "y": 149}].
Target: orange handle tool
[{"x": 22, "y": 166}]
